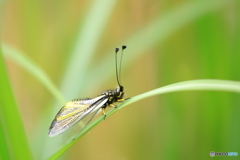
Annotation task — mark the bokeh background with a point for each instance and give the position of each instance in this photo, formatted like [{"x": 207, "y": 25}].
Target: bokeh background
[{"x": 168, "y": 41}]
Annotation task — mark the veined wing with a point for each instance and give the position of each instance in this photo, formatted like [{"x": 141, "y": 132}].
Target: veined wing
[
  {"x": 73, "y": 112},
  {"x": 78, "y": 128}
]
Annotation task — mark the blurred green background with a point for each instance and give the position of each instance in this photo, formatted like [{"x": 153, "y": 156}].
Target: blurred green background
[{"x": 168, "y": 41}]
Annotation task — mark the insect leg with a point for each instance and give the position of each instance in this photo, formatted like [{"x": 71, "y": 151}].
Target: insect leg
[
  {"x": 121, "y": 100},
  {"x": 104, "y": 113},
  {"x": 111, "y": 105}
]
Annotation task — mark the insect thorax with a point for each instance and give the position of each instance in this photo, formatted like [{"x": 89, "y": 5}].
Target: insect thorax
[{"x": 114, "y": 95}]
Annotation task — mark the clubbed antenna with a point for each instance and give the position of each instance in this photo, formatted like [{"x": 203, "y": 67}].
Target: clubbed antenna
[
  {"x": 123, "y": 47},
  {"x": 118, "y": 69},
  {"x": 116, "y": 51}
]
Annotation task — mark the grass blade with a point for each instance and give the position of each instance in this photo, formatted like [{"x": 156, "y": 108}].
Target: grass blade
[
  {"x": 11, "y": 121},
  {"x": 192, "y": 85},
  {"x": 5, "y": 151},
  {"x": 33, "y": 69}
]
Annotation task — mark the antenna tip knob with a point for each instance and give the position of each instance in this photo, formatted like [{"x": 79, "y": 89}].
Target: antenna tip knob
[
  {"x": 116, "y": 50},
  {"x": 124, "y": 46}
]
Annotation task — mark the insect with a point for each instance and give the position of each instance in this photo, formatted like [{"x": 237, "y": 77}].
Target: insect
[{"x": 82, "y": 111}]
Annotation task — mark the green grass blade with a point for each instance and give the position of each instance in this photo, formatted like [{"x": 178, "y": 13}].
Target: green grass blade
[
  {"x": 11, "y": 121},
  {"x": 192, "y": 85},
  {"x": 5, "y": 151},
  {"x": 22, "y": 60}
]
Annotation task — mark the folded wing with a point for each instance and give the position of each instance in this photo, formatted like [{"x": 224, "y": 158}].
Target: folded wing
[{"x": 82, "y": 110}]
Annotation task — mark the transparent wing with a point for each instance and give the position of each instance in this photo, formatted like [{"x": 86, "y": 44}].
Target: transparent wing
[
  {"x": 78, "y": 128},
  {"x": 75, "y": 111}
]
